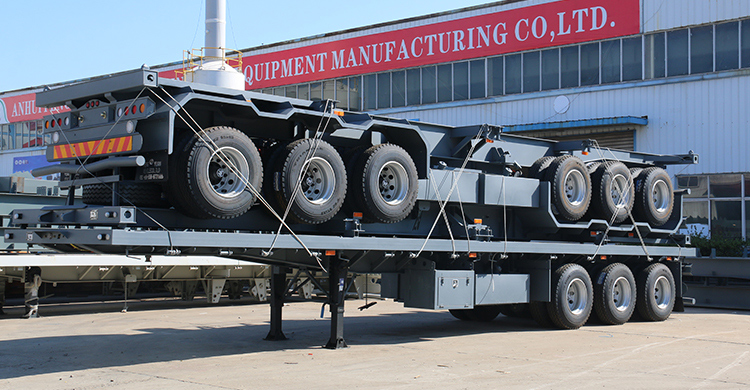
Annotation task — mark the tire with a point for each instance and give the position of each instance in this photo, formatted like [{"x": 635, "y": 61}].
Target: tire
[
  {"x": 131, "y": 193},
  {"x": 540, "y": 313},
  {"x": 204, "y": 185},
  {"x": 656, "y": 292},
  {"x": 384, "y": 183},
  {"x": 571, "y": 187},
  {"x": 515, "y": 310},
  {"x": 654, "y": 199},
  {"x": 573, "y": 297},
  {"x": 615, "y": 294},
  {"x": 461, "y": 314},
  {"x": 613, "y": 193},
  {"x": 323, "y": 186},
  {"x": 271, "y": 184},
  {"x": 484, "y": 313},
  {"x": 539, "y": 167}
]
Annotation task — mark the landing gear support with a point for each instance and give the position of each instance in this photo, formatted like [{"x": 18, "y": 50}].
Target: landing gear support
[
  {"x": 278, "y": 291},
  {"x": 31, "y": 301},
  {"x": 2, "y": 295},
  {"x": 337, "y": 271}
]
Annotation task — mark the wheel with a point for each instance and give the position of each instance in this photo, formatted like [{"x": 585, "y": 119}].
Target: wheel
[
  {"x": 654, "y": 199},
  {"x": 571, "y": 187},
  {"x": 656, "y": 292},
  {"x": 614, "y": 294},
  {"x": 540, "y": 313},
  {"x": 321, "y": 175},
  {"x": 209, "y": 179},
  {"x": 270, "y": 157},
  {"x": 572, "y": 297},
  {"x": 539, "y": 167},
  {"x": 131, "y": 193},
  {"x": 385, "y": 183},
  {"x": 484, "y": 313},
  {"x": 515, "y": 310},
  {"x": 461, "y": 314},
  {"x": 613, "y": 193}
]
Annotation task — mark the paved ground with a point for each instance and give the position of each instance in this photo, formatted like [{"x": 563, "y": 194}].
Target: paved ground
[{"x": 174, "y": 346}]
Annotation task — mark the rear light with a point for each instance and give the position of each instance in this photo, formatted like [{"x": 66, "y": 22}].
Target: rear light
[
  {"x": 53, "y": 124},
  {"x": 119, "y": 112},
  {"x": 46, "y": 124},
  {"x": 133, "y": 110},
  {"x": 56, "y": 137},
  {"x": 142, "y": 108},
  {"x": 59, "y": 121}
]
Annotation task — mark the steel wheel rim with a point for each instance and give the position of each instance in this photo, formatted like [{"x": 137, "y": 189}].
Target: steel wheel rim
[
  {"x": 622, "y": 294},
  {"x": 318, "y": 181},
  {"x": 660, "y": 192},
  {"x": 227, "y": 171},
  {"x": 576, "y": 296},
  {"x": 393, "y": 183},
  {"x": 575, "y": 187},
  {"x": 619, "y": 191},
  {"x": 662, "y": 292}
]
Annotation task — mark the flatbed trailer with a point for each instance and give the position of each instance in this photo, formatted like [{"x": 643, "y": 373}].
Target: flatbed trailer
[{"x": 467, "y": 218}]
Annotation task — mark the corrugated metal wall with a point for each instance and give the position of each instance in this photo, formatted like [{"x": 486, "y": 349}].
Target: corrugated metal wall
[
  {"x": 709, "y": 115},
  {"x": 667, "y": 14}
]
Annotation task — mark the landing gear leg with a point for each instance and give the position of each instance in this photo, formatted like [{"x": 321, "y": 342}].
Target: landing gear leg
[
  {"x": 278, "y": 291},
  {"x": 33, "y": 282},
  {"x": 337, "y": 271},
  {"x": 2, "y": 295}
]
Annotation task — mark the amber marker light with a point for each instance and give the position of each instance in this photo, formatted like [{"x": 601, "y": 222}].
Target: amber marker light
[
  {"x": 338, "y": 112},
  {"x": 330, "y": 253}
]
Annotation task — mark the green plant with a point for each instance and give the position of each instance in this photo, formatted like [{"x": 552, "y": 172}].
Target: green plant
[{"x": 725, "y": 246}]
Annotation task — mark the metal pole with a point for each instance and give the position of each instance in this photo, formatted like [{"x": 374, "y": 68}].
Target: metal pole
[
  {"x": 337, "y": 271},
  {"x": 215, "y": 28},
  {"x": 278, "y": 291}
]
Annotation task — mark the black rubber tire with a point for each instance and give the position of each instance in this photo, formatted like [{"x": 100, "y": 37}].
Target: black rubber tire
[
  {"x": 656, "y": 292},
  {"x": 615, "y": 294},
  {"x": 591, "y": 167},
  {"x": 461, "y": 314},
  {"x": 289, "y": 165},
  {"x": 515, "y": 310},
  {"x": 560, "y": 310},
  {"x": 271, "y": 182},
  {"x": 131, "y": 193},
  {"x": 635, "y": 172},
  {"x": 386, "y": 165},
  {"x": 652, "y": 186},
  {"x": 564, "y": 171},
  {"x": 539, "y": 167},
  {"x": 198, "y": 193},
  {"x": 484, "y": 313},
  {"x": 540, "y": 313},
  {"x": 604, "y": 183}
]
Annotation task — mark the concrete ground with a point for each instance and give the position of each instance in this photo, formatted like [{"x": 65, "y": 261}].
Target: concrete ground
[{"x": 172, "y": 345}]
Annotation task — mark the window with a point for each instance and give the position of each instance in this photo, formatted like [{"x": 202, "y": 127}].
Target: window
[
  {"x": 745, "y": 39},
  {"x": 316, "y": 91},
  {"x": 398, "y": 80},
  {"x": 698, "y": 185},
  {"x": 279, "y": 91},
  {"x": 726, "y": 186},
  {"x": 328, "y": 90},
  {"x": 429, "y": 86},
  {"x": 355, "y": 99},
  {"x": 291, "y": 92},
  {"x": 632, "y": 55},
  {"x": 590, "y": 64},
  {"x": 476, "y": 79},
  {"x": 461, "y": 81},
  {"x": 531, "y": 73},
  {"x": 342, "y": 93},
  {"x": 726, "y": 218},
  {"x": 384, "y": 90},
  {"x": 413, "y": 87},
  {"x": 369, "y": 89},
  {"x": 715, "y": 204},
  {"x": 611, "y": 61},
  {"x": 569, "y": 67},
  {"x": 495, "y": 76},
  {"x": 702, "y": 49},
  {"x": 303, "y": 91},
  {"x": 677, "y": 52},
  {"x": 513, "y": 74},
  {"x": 696, "y": 217},
  {"x": 444, "y": 81},
  {"x": 550, "y": 69},
  {"x": 6, "y": 141},
  {"x": 655, "y": 56},
  {"x": 727, "y": 46}
]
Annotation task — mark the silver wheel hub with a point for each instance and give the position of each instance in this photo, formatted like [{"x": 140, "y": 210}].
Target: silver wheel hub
[
  {"x": 227, "y": 171},
  {"x": 394, "y": 183},
  {"x": 622, "y": 294},
  {"x": 660, "y": 193},
  {"x": 577, "y": 296},
  {"x": 620, "y": 191},
  {"x": 575, "y": 187},
  {"x": 662, "y": 292},
  {"x": 318, "y": 181}
]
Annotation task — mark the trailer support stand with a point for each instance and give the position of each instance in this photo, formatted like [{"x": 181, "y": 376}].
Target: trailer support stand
[
  {"x": 337, "y": 271},
  {"x": 2, "y": 295},
  {"x": 278, "y": 287},
  {"x": 33, "y": 279}
]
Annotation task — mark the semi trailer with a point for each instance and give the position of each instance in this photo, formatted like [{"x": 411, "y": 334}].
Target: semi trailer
[{"x": 467, "y": 219}]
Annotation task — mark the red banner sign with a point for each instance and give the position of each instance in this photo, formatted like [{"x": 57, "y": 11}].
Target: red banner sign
[
  {"x": 551, "y": 24},
  {"x": 22, "y": 108}
]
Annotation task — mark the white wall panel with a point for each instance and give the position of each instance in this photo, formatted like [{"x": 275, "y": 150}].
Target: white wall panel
[{"x": 667, "y": 14}]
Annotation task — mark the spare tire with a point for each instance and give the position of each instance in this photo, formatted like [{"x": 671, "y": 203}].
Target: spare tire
[
  {"x": 570, "y": 187},
  {"x": 613, "y": 193},
  {"x": 209, "y": 179},
  {"x": 385, "y": 184},
  {"x": 654, "y": 199},
  {"x": 322, "y": 185}
]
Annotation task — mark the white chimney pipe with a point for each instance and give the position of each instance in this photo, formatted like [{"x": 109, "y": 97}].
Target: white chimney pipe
[
  {"x": 213, "y": 70},
  {"x": 216, "y": 27}
]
